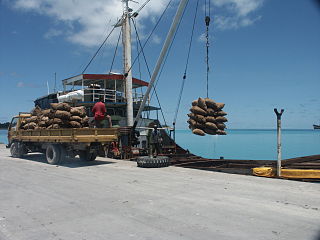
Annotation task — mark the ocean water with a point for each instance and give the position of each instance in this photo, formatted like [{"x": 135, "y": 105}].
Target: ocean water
[
  {"x": 245, "y": 144},
  {"x": 251, "y": 144}
]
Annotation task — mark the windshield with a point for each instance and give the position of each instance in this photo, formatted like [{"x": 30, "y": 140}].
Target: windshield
[{"x": 13, "y": 124}]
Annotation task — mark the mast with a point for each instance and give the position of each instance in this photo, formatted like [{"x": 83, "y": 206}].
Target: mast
[{"x": 126, "y": 40}]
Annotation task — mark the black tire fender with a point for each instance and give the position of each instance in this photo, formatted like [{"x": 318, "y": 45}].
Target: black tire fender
[{"x": 151, "y": 162}]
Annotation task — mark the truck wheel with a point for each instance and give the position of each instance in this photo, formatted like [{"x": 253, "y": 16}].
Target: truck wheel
[
  {"x": 150, "y": 162},
  {"x": 53, "y": 154},
  {"x": 87, "y": 156},
  {"x": 16, "y": 150}
]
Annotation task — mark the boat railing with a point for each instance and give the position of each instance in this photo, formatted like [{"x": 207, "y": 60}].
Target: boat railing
[{"x": 110, "y": 95}]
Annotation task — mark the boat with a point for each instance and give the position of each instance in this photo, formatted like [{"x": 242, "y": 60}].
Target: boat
[{"x": 316, "y": 126}]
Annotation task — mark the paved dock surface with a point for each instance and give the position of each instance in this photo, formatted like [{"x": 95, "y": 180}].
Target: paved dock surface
[{"x": 113, "y": 199}]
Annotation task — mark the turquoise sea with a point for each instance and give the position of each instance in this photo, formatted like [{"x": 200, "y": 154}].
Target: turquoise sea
[{"x": 245, "y": 144}]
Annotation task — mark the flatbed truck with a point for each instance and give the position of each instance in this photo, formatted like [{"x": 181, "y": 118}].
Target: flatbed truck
[{"x": 58, "y": 143}]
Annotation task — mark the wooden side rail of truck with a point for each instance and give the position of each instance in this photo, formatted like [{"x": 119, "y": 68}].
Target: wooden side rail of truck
[{"x": 59, "y": 143}]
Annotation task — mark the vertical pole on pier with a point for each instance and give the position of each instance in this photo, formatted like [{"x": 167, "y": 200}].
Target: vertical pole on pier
[{"x": 279, "y": 114}]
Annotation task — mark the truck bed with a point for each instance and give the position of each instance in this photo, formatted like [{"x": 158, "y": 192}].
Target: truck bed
[{"x": 67, "y": 135}]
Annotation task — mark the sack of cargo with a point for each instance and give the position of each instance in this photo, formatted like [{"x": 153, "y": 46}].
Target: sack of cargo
[
  {"x": 221, "y": 132},
  {"x": 221, "y": 126},
  {"x": 85, "y": 122},
  {"x": 191, "y": 127},
  {"x": 62, "y": 114},
  {"x": 36, "y": 111},
  {"x": 191, "y": 122},
  {"x": 210, "y": 131},
  {"x": 192, "y": 116},
  {"x": 30, "y": 125},
  {"x": 55, "y": 126},
  {"x": 199, "y": 125},
  {"x": 75, "y": 118},
  {"x": 42, "y": 124},
  {"x": 44, "y": 119},
  {"x": 60, "y": 106},
  {"x": 194, "y": 102},
  {"x": 202, "y": 104},
  {"x": 211, "y": 125},
  {"x": 200, "y": 118},
  {"x": 78, "y": 111},
  {"x": 47, "y": 113},
  {"x": 198, "y": 110},
  {"x": 31, "y": 119},
  {"x": 75, "y": 124},
  {"x": 210, "y": 112},
  {"x": 198, "y": 131},
  {"x": 221, "y": 119},
  {"x": 57, "y": 121},
  {"x": 220, "y": 113},
  {"x": 219, "y": 106},
  {"x": 210, "y": 119},
  {"x": 210, "y": 103}
]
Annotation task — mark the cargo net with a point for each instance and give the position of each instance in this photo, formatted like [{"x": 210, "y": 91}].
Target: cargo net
[
  {"x": 207, "y": 117},
  {"x": 60, "y": 115}
]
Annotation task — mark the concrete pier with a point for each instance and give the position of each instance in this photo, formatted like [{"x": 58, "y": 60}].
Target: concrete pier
[{"x": 113, "y": 199}]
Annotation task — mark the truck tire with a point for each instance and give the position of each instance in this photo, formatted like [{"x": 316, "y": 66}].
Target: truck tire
[
  {"x": 87, "y": 156},
  {"x": 16, "y": 150},
  {"x": 150, "y": 162},
  {"x": 53, "y": 154}
]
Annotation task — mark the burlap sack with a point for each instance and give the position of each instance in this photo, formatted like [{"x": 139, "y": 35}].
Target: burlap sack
[
  {"x": 198, "y": 110},
  {"x": 44, "y": 119},
  {"x": 50, "y": 126},
  {"x": 221, "y": 126},
  {"x": 194, "y": 102},
  {"x": 210, "y": 111},
  {"x": 55, "y": 126},
  {"x": 75, "y": 124},
  {"x": 78, "y": 111},
  {"x": 85, "y": 122},
  {"x": 192, "y": 122},
  {"x": 42, "y": 124},
  {"x": 200, "y": 118},
  {"x": 221, "y": 119},
  {"x": 198, "y": 132},
  {"x": 210, "y": 119},
  {"x": 211, "y": 125},
  {"x": 76, "y": 118},
  {"x": 60, "y": 106},
  {"x": 191, "y": 127},
  {"x": 57, "y": 121},
  {"x": 31, "y": 119},
  {"x": 210, "y": 103},
  {"x": 221, "y": 132},
  {"x": 202, "y": 104},
  {"x": 48, "y": 113},
  {"x": 210, "y": 131},
  {"x": 30, "y": 125},
  {"x": 219, "y": 106},
  {"x": 220, "y": 113},
  {"x": 62, "y": 114},
  {"x": 36, "y": 111}
]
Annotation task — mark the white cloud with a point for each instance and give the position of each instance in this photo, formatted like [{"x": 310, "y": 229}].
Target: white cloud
[
  {"x": 239, "y": 13},
  {"x": 85, "y": 22}
]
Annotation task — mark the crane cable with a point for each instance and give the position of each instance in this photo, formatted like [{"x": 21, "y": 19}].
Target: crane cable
[
  {"x": 207, "y": 21},
  {"x": 186, "y": 67},
  {"x": 115, "y": 52}
]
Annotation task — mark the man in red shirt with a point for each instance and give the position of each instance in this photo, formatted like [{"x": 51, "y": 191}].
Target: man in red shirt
[{"x": 99, "y": 111}]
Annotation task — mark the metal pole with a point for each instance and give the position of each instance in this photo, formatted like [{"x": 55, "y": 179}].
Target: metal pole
[
  {"x": 279, "y": 140},
  {"x": 126, "y": 39},
  {"x": 164, "y": 50}
]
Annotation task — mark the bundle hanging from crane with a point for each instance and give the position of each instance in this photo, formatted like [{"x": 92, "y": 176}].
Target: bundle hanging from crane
[{"x": 206, "y": 117}]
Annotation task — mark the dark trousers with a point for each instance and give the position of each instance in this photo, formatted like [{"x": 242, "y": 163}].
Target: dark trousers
[
  {"x": 98, "y": 123},
  {"x": 155, "y": 149}
]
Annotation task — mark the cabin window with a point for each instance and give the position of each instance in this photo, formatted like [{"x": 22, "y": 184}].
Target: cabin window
[{"x": 13, "y": 124}]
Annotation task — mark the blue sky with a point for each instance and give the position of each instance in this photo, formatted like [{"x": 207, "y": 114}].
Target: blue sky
[{"x": 263, "y": 54}]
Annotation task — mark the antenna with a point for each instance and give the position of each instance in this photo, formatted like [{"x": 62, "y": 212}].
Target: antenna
[
  {"x": 55, "y": 82},
  {"x": 48, "y": 87}
]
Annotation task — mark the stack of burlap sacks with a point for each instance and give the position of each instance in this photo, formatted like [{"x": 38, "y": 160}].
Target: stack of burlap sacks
[
  {"x": 207, "y": 117},
  {"x": 60, "y": 115}
]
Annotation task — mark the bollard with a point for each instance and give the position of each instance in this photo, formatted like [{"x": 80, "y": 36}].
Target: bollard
[{"x": 279, "y": 140}]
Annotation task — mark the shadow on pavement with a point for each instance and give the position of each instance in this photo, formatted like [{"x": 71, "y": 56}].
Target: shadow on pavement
[{"x": 68, "y": 162}]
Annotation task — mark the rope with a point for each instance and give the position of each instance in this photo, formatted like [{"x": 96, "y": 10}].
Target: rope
[
  {"x": 207, "y": 21},
  {"x": 98, "y": 49},
  {"x": 187, "y": 63},
  {"x": 115, "y": 52},
  {"x": 149, "y": 72}
]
